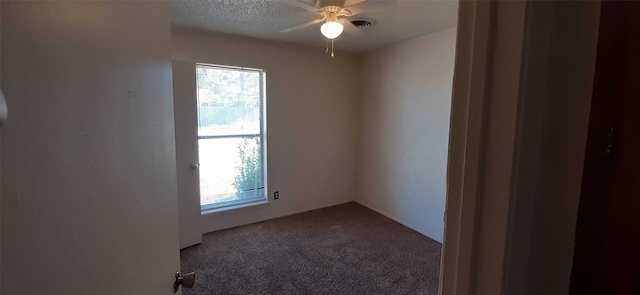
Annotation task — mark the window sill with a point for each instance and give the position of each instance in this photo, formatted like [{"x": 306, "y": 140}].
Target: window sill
[{"x": 234, "y": 208}]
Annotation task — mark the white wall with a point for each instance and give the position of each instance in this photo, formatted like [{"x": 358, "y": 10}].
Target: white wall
[
  {"x": 405, "y": 101},
  {"x": 311, "y": 120},
  {"x": 89, "y": 184}
]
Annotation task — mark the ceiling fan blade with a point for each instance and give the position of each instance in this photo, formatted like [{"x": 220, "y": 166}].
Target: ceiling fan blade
[
  {"x": 305, "y": 5},
  {"x": 302, "y": 26},
  {"x": 370, "y": 6},
  {"x": 349, "y": 28}
]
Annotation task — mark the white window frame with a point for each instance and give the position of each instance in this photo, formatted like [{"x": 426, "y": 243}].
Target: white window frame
[{"x": 261, "y": 135}]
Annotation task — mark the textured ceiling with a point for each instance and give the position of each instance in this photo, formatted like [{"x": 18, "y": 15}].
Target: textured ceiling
[{"x": 396, "y": 20}]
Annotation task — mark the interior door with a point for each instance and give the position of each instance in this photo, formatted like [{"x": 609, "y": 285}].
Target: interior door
[
  {"x": 89, "y": 195},
  {"x": 186, "y": 117},
  {"x": 607, "y": 253}
]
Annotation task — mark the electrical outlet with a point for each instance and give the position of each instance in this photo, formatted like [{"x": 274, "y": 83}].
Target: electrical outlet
[{"x": 276, "y": 195}]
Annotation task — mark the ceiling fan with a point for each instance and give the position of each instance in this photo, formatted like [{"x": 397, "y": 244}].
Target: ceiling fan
[{"x": 334, "y": 14}]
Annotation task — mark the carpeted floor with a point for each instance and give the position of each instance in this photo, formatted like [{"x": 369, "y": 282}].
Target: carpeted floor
[{"x": 345, "y": 249}]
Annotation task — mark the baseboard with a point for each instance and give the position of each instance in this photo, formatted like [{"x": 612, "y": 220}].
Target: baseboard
[
  {"x": 396, "y": 219},
  {"x": 249, "y": 215}
]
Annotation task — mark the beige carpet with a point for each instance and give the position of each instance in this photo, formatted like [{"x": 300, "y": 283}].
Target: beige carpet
[{"x": 345, "y": 249}]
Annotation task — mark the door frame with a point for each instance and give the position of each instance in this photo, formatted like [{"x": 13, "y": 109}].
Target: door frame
[
  {"x": 499, "y": 187},
  {"x": 482, "y": 156},
  {"x": 470, "y": 79}
]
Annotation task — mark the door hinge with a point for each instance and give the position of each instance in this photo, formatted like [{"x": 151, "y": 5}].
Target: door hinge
[{"x": 610, "y": 141}]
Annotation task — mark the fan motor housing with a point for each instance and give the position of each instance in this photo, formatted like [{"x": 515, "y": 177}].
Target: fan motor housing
[{"x": 326, "y": 3}]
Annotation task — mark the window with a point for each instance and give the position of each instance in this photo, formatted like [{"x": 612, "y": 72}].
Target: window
[{"x": 231, "y": 104}]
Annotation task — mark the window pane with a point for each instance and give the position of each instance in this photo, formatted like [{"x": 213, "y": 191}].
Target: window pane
[
  {"x": 229, "y": 101},
  {"x": 230, "y": 169},
  {"x": 229, "y": 106}
]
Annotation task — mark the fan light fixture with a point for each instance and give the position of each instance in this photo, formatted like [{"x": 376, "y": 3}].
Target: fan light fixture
[{"x": 332, "y": 28}]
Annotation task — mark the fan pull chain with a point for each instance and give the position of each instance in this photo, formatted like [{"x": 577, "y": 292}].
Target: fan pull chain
[
  {"x": 332, "y": 48},
  {"x": 327, "y": 50}
]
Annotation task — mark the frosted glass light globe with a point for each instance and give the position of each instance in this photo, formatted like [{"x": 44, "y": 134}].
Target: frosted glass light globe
[{"x": 331, "y": 30}]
